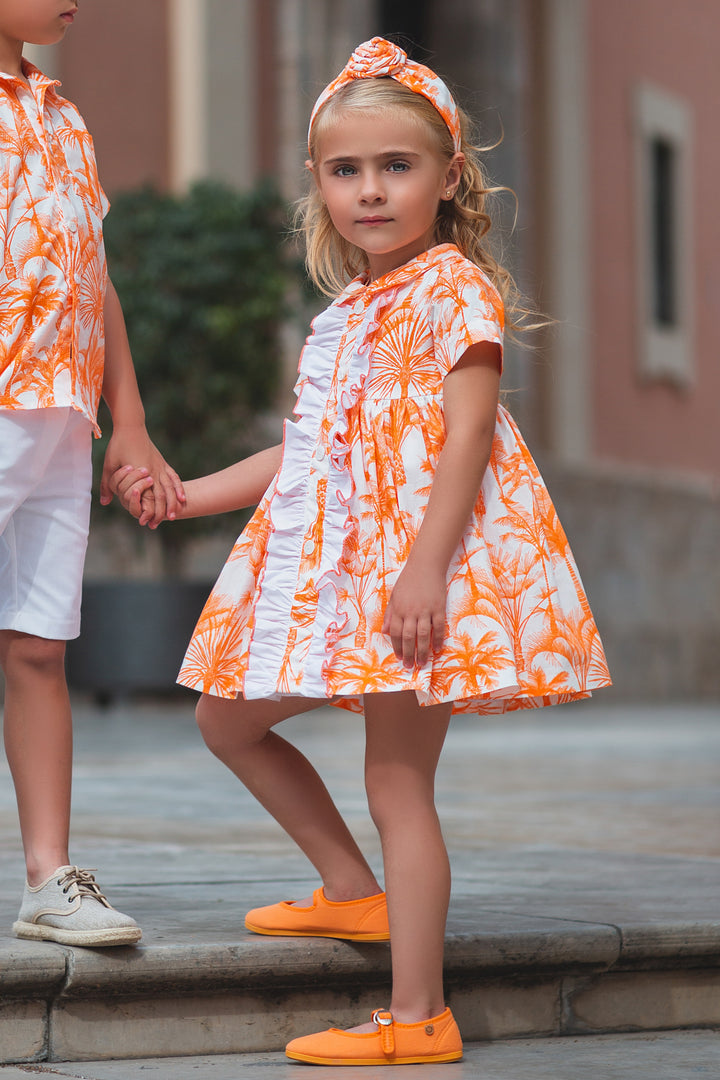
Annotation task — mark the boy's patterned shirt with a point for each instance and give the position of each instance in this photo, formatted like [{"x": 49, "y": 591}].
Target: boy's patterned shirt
[{"x": 53, "y": 276}]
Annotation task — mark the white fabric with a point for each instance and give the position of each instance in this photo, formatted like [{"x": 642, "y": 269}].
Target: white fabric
[{"x": 45, "y": 482}]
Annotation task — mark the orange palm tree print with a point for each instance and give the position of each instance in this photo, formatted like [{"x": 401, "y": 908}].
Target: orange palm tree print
[
  {"x": 53, "y": 275},
  {"x": 312, "y": 593}
]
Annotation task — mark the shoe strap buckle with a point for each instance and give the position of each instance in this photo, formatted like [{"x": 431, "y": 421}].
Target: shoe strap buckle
[{"x": 384, "y": 1020}]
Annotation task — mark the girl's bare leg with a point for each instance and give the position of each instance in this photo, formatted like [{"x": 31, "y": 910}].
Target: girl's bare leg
[
  {"x": 404, "y": 742},
  {"x": 285, "y": 783},
  {"x": 38, "y": 743}
]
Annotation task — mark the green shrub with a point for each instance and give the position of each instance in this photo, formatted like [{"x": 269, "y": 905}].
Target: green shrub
[{"x": 202, "y": 280}]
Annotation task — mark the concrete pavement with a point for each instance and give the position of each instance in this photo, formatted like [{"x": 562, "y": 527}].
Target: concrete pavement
[
  {"x": 585, "y": 842},
  {"x": 681, "y": 1055}
]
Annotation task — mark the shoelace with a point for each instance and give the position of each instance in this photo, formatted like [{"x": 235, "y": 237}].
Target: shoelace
[{"x": 81, "y": 883}]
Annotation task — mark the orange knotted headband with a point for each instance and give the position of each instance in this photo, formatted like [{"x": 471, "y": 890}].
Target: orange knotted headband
[{"x": 377, "y": 58}]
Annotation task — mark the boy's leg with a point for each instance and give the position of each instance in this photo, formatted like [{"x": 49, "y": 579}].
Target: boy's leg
[
  {"x": 239, "y": 733},
  {"x": 45, "y": 476},
  {"x": 38, "y": 743},
  {"x": 404, "y": 741}
]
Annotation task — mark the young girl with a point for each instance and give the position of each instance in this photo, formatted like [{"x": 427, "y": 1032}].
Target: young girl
[{"x": 405, "y": 560}]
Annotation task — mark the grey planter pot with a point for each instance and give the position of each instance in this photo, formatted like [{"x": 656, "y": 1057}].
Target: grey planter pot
[{"x": 134, "y": 635}]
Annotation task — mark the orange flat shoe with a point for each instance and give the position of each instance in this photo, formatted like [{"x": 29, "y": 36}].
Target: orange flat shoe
[
  {"x": 431, "y": 1041},
  {"x": 351, "y": 920}
]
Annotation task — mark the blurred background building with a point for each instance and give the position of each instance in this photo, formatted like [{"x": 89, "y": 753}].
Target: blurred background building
[{"x": 608, "y": 114}]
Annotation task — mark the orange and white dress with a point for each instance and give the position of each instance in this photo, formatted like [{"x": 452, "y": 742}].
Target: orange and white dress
[{"x": 298, "y": 607}]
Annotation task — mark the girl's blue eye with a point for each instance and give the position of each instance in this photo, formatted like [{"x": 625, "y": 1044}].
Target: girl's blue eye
[
  {"x": 344, "y": 170},
  {"x": 398, "y": 166}
]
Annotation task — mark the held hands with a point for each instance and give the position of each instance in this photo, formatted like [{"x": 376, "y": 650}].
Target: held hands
[
  {"x": 415, "y": 615},
  {"x": 167, "y": 496},
  {"x": 136, "y": 492}
]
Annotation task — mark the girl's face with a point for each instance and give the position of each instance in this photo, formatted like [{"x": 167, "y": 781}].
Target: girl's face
[
  {"x": 39, "y": 22},
  {"x": 382, "y": 179}
]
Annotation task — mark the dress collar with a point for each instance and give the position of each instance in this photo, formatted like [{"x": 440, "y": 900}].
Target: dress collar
[{"x": 361, "y": 288}]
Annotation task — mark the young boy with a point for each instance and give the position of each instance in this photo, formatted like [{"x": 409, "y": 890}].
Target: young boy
[{"x": 62, "y": 343}]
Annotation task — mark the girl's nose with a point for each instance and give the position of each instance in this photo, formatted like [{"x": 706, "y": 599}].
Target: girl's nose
[{"x": 371, "y": 190}]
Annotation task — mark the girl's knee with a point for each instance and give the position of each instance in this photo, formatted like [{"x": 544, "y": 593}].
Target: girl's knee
[
  {"x": 208, "y": 720},
  {"x": 382, "y": 801},
  {"x": 394, "y": 795},
  {"x": 222, "y": 724}
]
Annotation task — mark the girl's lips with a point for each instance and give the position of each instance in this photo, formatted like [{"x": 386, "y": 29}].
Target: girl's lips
[
  {"x": 69, "y": 16},
  {"x": 374, "y": 220}
]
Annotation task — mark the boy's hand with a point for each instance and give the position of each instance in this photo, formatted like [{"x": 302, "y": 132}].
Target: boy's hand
[
  {"x": 134, "y": 444},
  {"x": 134, "y": 489}
]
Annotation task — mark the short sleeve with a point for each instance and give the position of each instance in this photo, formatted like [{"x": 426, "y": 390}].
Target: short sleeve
[
  {"x": 465, "y": 309},
  {"x": 104, "y": 201},
  {"x": 78, "y": 149},
  {"x": 100, "y": 199}
]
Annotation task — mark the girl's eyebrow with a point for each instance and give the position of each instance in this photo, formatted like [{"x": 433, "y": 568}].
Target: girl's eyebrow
[{"x": 351, "y": 159}]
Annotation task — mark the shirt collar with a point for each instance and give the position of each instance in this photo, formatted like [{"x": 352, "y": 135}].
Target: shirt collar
[{"x": 37, "y": 80}]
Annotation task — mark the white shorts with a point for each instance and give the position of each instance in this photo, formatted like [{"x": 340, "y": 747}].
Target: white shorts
[{"x": 45, "y": 483}]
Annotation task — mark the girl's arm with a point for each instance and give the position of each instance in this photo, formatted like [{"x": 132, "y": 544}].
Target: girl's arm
[
  {"x": 130, "y": 441},
  {"x": 240, "y": 485},
  {"x": 415, "y": 615}
]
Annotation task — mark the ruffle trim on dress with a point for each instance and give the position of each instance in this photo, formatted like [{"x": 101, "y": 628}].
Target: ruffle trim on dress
[
  {"x": 308, "y": 452},
  {"x": 330, "y": 619}
]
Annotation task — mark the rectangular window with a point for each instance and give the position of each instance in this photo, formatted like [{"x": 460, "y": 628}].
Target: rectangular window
[
  {"x": 664, "y": 260},
  {"x": 664, "y": 235}
]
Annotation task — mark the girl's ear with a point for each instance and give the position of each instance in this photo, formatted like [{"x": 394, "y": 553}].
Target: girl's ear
[
  {"x": 309, "y": 165},
  {"x": 454, "y": 172}
]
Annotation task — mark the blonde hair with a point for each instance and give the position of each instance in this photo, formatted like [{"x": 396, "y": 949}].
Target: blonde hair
[{"x": 464, "y": 220}]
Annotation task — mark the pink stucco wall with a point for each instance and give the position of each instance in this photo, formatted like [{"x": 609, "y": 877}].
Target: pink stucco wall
[
  {"x": 674, "y": 46},
  {"x": 114, "y": 66}
]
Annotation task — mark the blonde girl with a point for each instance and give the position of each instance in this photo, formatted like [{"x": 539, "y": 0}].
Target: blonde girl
[{"x": 405, "y": 560}]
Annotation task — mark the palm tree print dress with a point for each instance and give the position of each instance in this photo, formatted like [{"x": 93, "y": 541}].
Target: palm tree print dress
[{"x": 298, "y": 607}]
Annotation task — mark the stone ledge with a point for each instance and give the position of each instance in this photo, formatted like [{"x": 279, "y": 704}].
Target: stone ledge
[
  {"x": 45, "y": 971},
  {"x": 547, "y": 976},
  {"x": 256, "y": 963},
  {"x": 29, "y": 966},
  {"x": 670, "y": 944}
]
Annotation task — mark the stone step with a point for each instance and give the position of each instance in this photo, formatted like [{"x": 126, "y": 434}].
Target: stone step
[{"x": 522, "y": 976}]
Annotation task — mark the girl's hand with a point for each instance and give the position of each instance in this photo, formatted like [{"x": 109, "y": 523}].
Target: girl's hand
[
  {"x": 134, "y": 488},
  {"x": 415, "y": 615}
]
